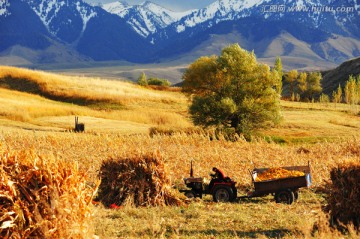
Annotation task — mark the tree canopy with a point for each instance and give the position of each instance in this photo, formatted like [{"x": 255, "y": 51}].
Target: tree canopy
[{"x": 233, "y": 91}]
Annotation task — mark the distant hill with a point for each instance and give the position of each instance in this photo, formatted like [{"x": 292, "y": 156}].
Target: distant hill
[{"x": 339, "y": 75}]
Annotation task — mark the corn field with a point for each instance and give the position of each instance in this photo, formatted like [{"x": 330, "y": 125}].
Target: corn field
[
  {"x": 88, "y": 151},
  {"x": 235, "y": 158}
]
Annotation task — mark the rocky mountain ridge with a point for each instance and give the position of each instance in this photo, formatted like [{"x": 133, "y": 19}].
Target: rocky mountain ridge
[{"x": 314, "y": 32}]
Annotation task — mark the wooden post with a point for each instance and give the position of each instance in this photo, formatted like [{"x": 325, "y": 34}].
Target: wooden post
[{"x": 79, "y": 127}]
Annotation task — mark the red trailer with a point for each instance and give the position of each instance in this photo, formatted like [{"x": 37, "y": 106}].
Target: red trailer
[{"x": 285, "y": 190}]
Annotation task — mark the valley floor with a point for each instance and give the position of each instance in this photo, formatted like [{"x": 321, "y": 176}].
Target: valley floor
[{"x": 118, "y": 116}]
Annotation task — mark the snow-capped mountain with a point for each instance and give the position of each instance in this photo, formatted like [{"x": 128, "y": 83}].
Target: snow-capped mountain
[
  {"x": 315, "y": 13},
  {"x": 4, "y": 5},
  {"x": 316, "y": 23},
  {"x": 216, "y": 12},
  {"x": 72, "y": 27},
  {"x": 146, "y": 18},
  {"x": 65, "y": 19},
  {"x": 315, "y": 30},
  {"x": 19, "y": 25},
  {"x": 333, "y": 16}
]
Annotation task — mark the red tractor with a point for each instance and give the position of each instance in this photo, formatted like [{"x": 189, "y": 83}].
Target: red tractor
[{"x": 222, "y": 189}]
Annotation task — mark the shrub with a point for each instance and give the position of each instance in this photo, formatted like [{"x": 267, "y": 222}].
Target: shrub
[
  {"x": 158, "y": 82},
  {"x": 142, "y": 80}
]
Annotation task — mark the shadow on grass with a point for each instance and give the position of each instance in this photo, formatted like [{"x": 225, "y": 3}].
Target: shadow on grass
[
  {"x": 257, "y": 200},
  {"x": 32, "y": 87},
  {"x": 213, "y": 233},
  {"x": 274, "y": 233},
  {"x": 43, "y": 130}
]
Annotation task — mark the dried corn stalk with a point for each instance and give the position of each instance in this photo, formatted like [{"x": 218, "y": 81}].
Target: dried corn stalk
[
  {"x": 42, "y": 198},
  {"x": 277, "y": 173},
  {"x": 139, "y": 181},
  {"x": 344, "y": 194}
]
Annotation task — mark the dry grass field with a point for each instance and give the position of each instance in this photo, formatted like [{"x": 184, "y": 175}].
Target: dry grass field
[
  {"x": 47, "y": 99},
  {"x": 117, "y": 119}
]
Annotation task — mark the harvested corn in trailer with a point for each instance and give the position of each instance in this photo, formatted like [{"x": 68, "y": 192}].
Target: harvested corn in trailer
[
  {"x": 344, "y": 194},
  {"x": 277, "y": 173},
  {"x": 137, "y": 181},
  {"x": 43, "y": 198}
]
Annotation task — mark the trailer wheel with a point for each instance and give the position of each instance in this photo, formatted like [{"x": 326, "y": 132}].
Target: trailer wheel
[
  {"x": 190, "y": 194},
  {"x": 223, "y": 194},
  {"x": 296, "y": 195},
  {"x": 284, "y": 196}
]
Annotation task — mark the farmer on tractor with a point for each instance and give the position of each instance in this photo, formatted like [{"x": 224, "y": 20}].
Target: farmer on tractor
[
  {"x": 221, "y": 187},
  {"x": 218, "y": 176}
]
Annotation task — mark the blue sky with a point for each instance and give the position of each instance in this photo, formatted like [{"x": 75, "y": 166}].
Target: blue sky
[{"x": 175, "y": 5}]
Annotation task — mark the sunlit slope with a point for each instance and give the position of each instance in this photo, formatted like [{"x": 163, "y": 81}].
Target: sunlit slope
[
  {"x": 41, "y": 98},
  {"x": 313, "y": 122},
  {"x": 46, "y": 101}
]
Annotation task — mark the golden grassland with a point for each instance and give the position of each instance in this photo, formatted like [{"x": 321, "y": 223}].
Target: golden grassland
[
  {"x": 47, "y": 100},
  {"x": 117, "y": 125},
  {"x": 28, "y": 95},
  {"x": 90, "y": 89},
  {"x": 314, "y": 122}
]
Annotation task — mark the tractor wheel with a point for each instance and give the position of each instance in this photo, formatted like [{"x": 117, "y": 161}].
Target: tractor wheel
[
  {"x": 223, "y": 194},
  {"x": 284, "y": 196},
  {"x": 190, "y": 194}
]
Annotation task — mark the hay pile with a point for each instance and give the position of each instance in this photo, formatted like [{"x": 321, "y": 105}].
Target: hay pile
[
  {"x": 42, "y": 198},
  {"x": 137, "y": 181},
  {"x": 344, "y": 194}
]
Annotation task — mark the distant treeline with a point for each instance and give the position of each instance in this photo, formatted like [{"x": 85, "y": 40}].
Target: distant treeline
[
  {"x": 298, "y": 86},
  {"x": 307, "y": 87},
  {"x": 144, "y": 81}
]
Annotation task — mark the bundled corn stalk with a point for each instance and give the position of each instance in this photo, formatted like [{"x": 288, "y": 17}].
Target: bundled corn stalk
[
  {"x": 344, "y": 194},
  {"x": 42, "y": 198},
  {"x": 277, "y": 173},
  {"x": 138, "y": 181}
]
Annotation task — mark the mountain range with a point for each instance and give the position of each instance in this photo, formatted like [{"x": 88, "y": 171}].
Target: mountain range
[{"x": 315, "y": 33}]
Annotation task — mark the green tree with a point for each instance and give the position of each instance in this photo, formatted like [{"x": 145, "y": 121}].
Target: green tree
[
  {"x": 309, "y": 85},
  {"x": 358, "y": 87},
  {"x": 201, "y": 76},
  {"x": 324, "y": 99},
  {"x": 351, "y": 94},
  {"x": 337, "y": 95},
  {"x": 291, "y": 78},
  {"x": 232, "y": 91},
  {"x": 293, "y": 97},
  {"x": 142, "y": 80},
  {"x": 347, "y": 92},
  {"x": 279, "y": 70},
  {"x": 302, "y": 83},
  {"x": 313, "y": 85}
]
